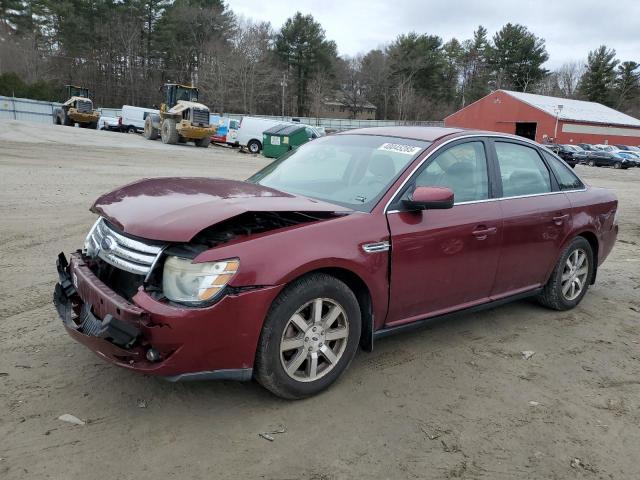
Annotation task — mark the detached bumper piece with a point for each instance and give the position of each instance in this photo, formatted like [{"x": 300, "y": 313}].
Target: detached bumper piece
[{"x": 118, "y": 332}]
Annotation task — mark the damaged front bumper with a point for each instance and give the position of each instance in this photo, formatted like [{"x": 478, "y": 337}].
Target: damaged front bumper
[{"x": 158, "y": 338}]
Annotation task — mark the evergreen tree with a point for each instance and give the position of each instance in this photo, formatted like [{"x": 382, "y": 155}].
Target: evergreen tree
[
  {"x": 598, "y": 81},
  {"x": 516, "y": 58},
  {"x": 627, "y": 83},
  {"x": 302, "y": 46},
  {"x": 475, "y": 71}
]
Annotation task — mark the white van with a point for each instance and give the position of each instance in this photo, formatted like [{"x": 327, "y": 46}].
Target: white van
[
  {"x": 133, "y": 118},
  {"x": 250, "y": 132},
  {"x": 232, "y": 132},
  {"x": 251, "y": 128}
]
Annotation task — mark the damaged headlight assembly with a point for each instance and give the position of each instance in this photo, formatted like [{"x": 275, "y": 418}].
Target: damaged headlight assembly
[{"x": 196, "y": 284}]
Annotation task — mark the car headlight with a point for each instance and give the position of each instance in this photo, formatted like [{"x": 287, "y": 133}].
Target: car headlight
[
  {"x": 196, "y": 283},
  {"x": 89, "y": 247}
]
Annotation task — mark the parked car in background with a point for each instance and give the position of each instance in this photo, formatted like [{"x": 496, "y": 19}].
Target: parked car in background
[
  {"x": 600, "y": 158},
  {"x": 250, "y": 130},
  {"x": 348, "y": 239},
  {"x": 628, "y": 148},
  {"x": 587, "y": 147},
  {"x": 633, "y": 160},
  {"x": 133, "y": 118},
  {"x": 565, "y": 152},
  {"x": 113, "y": 124}
]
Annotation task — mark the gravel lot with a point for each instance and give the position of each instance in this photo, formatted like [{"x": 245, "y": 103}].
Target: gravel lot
[{"x": 450, "y": 401}]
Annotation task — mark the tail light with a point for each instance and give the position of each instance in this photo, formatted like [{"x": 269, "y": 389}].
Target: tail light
[{"x": 120, "y": 121}]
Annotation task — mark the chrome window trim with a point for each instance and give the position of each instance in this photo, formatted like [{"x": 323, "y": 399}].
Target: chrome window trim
[
  {"x": 477, "y": 135},
  {"x": 506, "y": 198}
]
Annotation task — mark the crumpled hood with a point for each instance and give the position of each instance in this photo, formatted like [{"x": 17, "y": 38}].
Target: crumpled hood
[{"x": 175, "y": 209}]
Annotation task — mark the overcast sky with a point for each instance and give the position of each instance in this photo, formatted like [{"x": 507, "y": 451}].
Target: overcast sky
[{"x": 570, "y": 27}]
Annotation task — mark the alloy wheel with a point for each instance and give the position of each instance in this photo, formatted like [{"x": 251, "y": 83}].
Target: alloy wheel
[
  {"x": 574, "y": 274},
  {"x": 314, "y": 340}
]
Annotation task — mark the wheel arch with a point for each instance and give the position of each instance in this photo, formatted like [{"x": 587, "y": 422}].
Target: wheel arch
[
  {"x": 251, "y": 140},
  {"x": 363, "y": 295},
  {"x": 595, "y": 247}
]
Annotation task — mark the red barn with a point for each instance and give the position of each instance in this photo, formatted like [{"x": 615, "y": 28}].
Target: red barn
[{"x": 544, "y": 118}]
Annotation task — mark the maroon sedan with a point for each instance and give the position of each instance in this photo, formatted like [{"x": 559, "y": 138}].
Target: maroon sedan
[{"x": 349, "y": 238}]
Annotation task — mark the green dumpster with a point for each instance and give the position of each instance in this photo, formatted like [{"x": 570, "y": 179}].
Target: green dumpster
[{"x": 281, "y": 138}]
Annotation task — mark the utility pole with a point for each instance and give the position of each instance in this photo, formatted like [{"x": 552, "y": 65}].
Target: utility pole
[
  {"x": 283, "y": 84},
  {"x": 555, "y": 131}
]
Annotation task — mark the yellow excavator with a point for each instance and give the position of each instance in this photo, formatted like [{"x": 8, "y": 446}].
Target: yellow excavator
[
  {"x": 181, "y": 118},
  {"x": 77, "y": 109}
]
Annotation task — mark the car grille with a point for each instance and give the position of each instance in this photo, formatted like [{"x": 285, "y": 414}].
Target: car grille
[
  {"x": 121, "y": 251},
  {"x": 200, "y": 117},
  {"x": 83, "y": 106}
]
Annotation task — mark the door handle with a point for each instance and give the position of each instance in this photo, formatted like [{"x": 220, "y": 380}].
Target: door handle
[
  {"x": 559, "y": 219},
  {"x": 483, "y": 232}
]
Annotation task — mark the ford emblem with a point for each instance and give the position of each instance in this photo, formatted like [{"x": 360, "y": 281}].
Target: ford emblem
[{"x": 107, "y": 244}]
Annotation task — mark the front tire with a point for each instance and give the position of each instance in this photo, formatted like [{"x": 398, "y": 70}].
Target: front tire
[
  {"x": 309, "y": 337},
  {"x": 592, "y": 163},
  {"x": 169, "y": 132},
  {"x": 617, "y": 165},
  {"x": 571, "y": 277}
]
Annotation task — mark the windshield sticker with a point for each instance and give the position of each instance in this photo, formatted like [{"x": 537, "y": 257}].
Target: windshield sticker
[{"x": 399, "y": 148}]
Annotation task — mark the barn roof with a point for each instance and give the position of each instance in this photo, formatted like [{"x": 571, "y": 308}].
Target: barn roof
[{"x": 577, "y": 110}]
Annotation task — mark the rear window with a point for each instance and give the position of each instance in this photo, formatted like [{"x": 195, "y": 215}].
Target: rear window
[{"x": 567, "y": 180}]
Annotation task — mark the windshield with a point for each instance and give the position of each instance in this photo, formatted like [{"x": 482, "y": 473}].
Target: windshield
[
  {"x": 187, "y": 94},
  {"x": 354, "y": 171},
  {"x": 78, "y": 92}
]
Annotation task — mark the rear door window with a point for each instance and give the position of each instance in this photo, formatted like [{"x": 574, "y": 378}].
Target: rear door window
[
  {"x": 522, "y": 170},
  {"x": 567, "y": 180}
]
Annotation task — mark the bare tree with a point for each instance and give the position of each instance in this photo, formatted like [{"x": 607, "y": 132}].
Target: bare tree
[
  {"x": 353, "y": 87},
  {"x": 319, "y": 88},
  {"x": 404, "y": 95},
  {"x": 568, "y": 76}
]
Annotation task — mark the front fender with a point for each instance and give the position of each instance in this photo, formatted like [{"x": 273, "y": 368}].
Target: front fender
[{"x": 284, "y": 255}]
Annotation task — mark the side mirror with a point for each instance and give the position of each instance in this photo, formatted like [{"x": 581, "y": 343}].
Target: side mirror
[{"x": 429, "y": 198}]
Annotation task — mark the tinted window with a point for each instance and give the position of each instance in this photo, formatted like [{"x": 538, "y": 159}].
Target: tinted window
[
  {"x": 567, "y": 180},
  {"x": 522, "y": 170},
  {"x": 462, "y": 168}
]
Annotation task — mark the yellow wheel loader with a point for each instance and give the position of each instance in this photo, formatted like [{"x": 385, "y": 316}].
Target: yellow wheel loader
[
  {"x": 77, "y": 109},
  {"x": 181, "y": 118}
]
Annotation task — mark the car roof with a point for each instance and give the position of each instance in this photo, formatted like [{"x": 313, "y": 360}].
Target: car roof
[{"x": 429, "y": 134}]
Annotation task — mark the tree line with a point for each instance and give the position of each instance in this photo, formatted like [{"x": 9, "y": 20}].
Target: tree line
[{"x": 124, "y": 50}]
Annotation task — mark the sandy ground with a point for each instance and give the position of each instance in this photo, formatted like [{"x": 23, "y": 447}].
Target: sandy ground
[{"x": 450, "y": 401}]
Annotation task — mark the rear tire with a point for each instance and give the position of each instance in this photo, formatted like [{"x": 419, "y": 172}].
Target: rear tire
[
  {"x": 169, "y": 132},
  {"x": 617, "y": 165},
  {"x": 571, "y": 277},
  {"x": 592, "y": 163},
  {"x": 254, "y": 146},
  {"x": 132, "y": 129},
  {"x": 203, "y": 142},
  {"x": 309, "y": 337},
  {"x": 150, "y": 132}
]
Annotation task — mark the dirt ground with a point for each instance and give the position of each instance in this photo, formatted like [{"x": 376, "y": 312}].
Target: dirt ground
[{"x": 455, "y": 400}]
